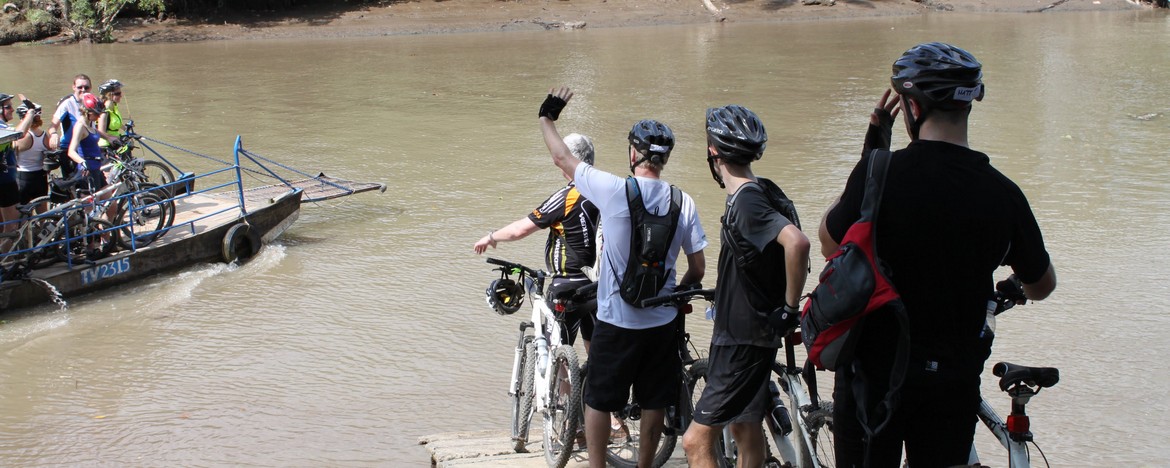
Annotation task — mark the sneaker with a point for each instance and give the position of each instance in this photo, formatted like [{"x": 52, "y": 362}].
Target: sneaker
[{"x": 581, "y": 440}]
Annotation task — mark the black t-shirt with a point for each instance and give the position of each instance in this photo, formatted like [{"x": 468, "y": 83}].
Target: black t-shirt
[
  {"x": 947, "y": 220},
  {"x": 570, "y": 244},
  {"x": 751, "y": 218}
]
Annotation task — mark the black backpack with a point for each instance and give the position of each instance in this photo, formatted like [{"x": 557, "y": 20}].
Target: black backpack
[
  {"x": 650, "y": 239},
  {"x": 765, "y": 290}
]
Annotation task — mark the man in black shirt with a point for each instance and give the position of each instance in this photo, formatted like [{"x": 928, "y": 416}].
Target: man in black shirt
[
  {"x": 947, "y": 220},
  {"x": 763, "y": 261},
  {"x": 571, "y": 240}
]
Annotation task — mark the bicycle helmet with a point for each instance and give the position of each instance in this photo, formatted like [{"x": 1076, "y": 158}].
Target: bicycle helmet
[
  {"x": 91, "y": 103},
  {"x": 736, "y": 133},
  {"x": 22, "y": 110},
  {"x": 109, "y": 86},
  {"x": 505, "y": 296},
  {"x": 939, "y": 75},
  {"x": 652, "y": 139}
]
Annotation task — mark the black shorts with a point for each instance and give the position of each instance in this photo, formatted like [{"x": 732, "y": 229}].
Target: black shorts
[
  {"x": 576, "y": 316},
  {"x": 9, "y": 192},
  {"x": 646, "y": 360},
  {"x": 737, "y": 379},
  {"x": 32, "y": 184},
  {"x": 97, "y": 180}
]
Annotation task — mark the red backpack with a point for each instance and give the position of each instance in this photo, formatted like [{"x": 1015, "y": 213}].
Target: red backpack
[{"x": 854, "y": 284}]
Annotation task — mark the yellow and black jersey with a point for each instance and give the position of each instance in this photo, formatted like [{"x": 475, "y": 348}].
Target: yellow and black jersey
[{"x": 573, "y": 220}]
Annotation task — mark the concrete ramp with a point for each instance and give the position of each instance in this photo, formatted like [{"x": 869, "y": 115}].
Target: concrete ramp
[{"x": 493, "y": 449}]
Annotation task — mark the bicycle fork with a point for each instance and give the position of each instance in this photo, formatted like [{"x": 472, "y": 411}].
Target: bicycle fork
[{"x": 518, "y": 360}]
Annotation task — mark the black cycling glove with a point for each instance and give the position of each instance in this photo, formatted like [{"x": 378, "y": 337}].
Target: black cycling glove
[
  {"x": 1011, "y": 288},
  {"x": 784, "y": 319},
  {"x": 551, "y": 107}
]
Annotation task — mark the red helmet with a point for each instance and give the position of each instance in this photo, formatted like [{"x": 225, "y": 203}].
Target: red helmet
[{"x": 91, "y": 103}]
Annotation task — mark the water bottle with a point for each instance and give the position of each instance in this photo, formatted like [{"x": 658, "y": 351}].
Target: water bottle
[
  {"x": 989, "y": 325},
  {"x": 780, "y": 419},
  {"x": 541, "y": 354}
]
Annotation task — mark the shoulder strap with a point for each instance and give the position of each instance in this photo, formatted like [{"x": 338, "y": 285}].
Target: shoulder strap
[
  {"x": 735, "y": 195},
  {"x": 875, "y": 182},
  {"x": 634, "y": 197},
  {"x": 675, "y": 210}
]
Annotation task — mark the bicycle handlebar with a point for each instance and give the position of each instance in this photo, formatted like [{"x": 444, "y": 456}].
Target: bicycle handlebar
[
  {"x": 515, "y": 266},
  {"x": 679, "y": 297}
]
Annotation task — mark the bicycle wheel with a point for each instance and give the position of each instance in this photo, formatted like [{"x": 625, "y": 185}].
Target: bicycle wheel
[
  {"x": 142, "y": 218},
  {"x": 41, "y": 233},
  {"x": 817, "y": 449},
  {"x": 563, "y": 415},
  {"x": 90, "y": 240},
  {"x": 522, "y": 400},
  {"x": 697, "y": 381},
  {"x": 160, "y": 174},
  {"x": 625, "y": 444}
]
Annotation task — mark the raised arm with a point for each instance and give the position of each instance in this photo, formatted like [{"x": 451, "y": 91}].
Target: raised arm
[{"x": 549, "y": 111}]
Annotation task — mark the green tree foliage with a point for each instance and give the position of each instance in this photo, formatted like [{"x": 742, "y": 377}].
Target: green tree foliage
[{"x": 94, "y": 19}]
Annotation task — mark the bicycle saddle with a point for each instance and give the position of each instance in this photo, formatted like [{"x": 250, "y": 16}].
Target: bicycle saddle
[{"x": 1011, "y": 374}]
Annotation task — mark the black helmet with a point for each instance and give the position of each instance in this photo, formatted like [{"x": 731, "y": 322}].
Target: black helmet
[
  {"x": 736, "y": 133},
  {"x": 505, "y": 296},
  {"x": 653, "y": 139},
  {"x": 939, "y": 75},
  {"x": 111, "y": 85}
]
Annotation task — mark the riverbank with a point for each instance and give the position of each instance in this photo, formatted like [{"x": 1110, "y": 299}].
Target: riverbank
[{"x": 402, "y": 17}]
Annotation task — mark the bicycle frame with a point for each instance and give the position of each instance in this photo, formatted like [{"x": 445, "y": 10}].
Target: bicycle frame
[{"x": 1017, "y": 449}]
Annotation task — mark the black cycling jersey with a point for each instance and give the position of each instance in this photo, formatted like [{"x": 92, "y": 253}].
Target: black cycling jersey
[
  {"x": 571, "y": 241},
  {"x": 737, "y": 322},
  {"x": 947, "y": 220}
]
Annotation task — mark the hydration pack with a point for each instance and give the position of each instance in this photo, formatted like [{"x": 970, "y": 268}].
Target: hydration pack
[
  {"x": 764, "y": 281},
  {"x": 650, "y": 239}
]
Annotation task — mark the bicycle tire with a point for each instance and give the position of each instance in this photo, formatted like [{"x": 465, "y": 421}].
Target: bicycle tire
[
  {"x": 89, "y": 241},
  {"x": 522, "y": 401},
  {"x": 148, "y": 221},
  {"x": 820, "y": 424},
  {"x": 624, "y": 454},
  {"x": 159, "y": 174},
  {"x": 562, "y": 417},
  {"x": 697, "y": 381},
  {"x": 42, "y": 233}
]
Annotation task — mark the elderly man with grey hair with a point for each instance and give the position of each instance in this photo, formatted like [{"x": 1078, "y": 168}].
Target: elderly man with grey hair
[{"x": 571, "y": 242}]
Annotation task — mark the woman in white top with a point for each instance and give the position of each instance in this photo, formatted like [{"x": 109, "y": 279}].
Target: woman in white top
[{"x": 31, "y": 176}]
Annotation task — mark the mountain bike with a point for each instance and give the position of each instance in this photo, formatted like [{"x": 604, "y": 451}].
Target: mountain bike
[
  {"x": 150, "y": 171},
  {"x": 71, "y": 231},
  {"x": 623, "y": 452},
  {"x": 801, "y": 431},
  {"x": 546, "y": 376},
  {"x": 1021, "y": 383}
]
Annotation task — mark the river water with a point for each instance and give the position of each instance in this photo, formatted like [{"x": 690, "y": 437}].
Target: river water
[{"x": 365, "y": 326}]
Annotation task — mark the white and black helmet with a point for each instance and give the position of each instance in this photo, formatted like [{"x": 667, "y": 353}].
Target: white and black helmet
[{"x": 505, "y": 296}]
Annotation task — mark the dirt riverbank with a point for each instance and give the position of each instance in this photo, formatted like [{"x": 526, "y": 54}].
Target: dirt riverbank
[{"x": 397, "y": 17}]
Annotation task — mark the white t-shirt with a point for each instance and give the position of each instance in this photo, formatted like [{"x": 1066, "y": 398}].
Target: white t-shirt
[
  {"x": 67, "y": 106},
  {"x": 608, "y": 192}
]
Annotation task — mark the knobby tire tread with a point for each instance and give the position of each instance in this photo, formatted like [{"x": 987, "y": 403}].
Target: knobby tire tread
[
  {"x": 522, "y": 418},
  {"x": 559, "y": 447}
]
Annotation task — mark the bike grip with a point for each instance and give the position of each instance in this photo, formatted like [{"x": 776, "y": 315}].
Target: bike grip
[{"x": 496, "y": 261}]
